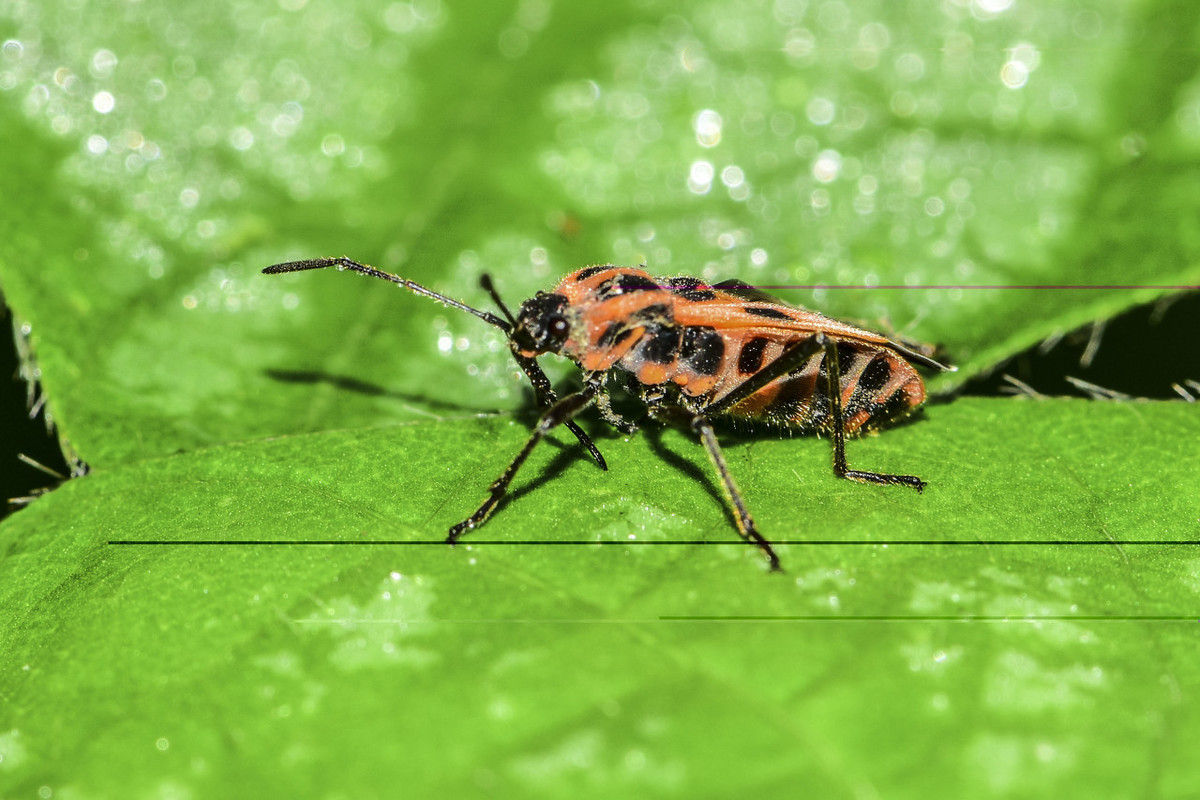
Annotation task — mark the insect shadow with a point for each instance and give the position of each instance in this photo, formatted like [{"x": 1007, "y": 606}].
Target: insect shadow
[
  {"x": 654, "y": 435},
  {"x": 526, "y": 413},
  {"x": 357, "y": 386},
  {"x": 652, "y": 431}
]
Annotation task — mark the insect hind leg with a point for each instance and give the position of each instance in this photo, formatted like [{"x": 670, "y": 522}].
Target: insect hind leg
[{"x": 837, "y": 426}]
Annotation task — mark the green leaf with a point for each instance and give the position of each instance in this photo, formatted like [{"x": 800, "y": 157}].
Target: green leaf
[
  {"x": 161, "y": 155},
  {"x": 296, "y": 668}
]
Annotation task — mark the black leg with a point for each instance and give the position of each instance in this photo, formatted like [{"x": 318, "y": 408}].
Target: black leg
[
  {"x": 745, "y": 523},
  {"x": 541, "y": 384},
  {"x": 558, "y": 414},
  {"x": 544, "y": 395},
  {"x": 741, "y": 516},
  {"x": 833, "y": 388}
]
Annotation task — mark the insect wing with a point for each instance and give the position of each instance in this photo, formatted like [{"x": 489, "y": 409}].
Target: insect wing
[
  {"x": 733, "y": 313},
  {"x": 744, "y": 291},
  {"x": 739, "y": 306}
]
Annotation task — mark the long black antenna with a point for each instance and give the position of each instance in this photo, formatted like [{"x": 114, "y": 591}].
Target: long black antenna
[
  {"x": 541, "y": 385},
  {"x": 343, "y": 262},
  {"x": 485, "y": 281}
]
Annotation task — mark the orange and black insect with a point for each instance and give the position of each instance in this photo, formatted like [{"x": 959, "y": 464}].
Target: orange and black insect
[{"x": 692, "y": 353}]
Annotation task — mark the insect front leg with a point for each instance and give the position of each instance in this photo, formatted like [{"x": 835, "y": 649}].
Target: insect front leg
[
  {"x": 833, "y": 375},
  {"x": 558, "y": 414},
  {"x": 741, "y": 516},
  {"x": 544, "y": 395}
]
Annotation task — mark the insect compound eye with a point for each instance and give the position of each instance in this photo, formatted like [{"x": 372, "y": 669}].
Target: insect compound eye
[{"x": 542, "y": 324}]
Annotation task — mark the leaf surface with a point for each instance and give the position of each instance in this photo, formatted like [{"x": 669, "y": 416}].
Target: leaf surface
[{"x": 161, "y": 155}]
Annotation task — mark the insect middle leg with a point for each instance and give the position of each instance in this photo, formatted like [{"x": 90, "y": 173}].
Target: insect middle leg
[
  {"x": 558, "y": 414},
  {"x": 745, "y": 523},
  {"x": 741, "y": 516}
]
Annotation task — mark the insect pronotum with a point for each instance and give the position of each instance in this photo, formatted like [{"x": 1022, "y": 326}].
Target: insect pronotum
[{"x": 693, "y": 352}]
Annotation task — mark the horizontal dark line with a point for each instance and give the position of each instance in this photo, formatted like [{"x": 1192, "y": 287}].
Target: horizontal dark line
[
  {"x": 656, "y": 542},
  {"x": 938, "y": 618}
]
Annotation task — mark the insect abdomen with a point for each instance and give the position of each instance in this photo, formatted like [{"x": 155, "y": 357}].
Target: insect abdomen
[{"x": 878, "y": 387}]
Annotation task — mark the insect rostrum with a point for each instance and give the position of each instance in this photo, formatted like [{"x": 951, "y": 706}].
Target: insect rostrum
[{"x": 692, "y": 353}]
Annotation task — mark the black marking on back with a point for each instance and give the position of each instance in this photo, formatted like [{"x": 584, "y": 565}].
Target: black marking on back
[
  {"x": 584, "y": 274},
  {"x": 692, "y": 289},
  {"x": 659, "y": 344},
  {"x": 795, "y": 393},
  {"x": 860, "y": 399},
  {"x": 625, "y": 284},
  {"x": 702, "y": 348},
  {"x": 845, "y": 357},
  {"x": 744, "y": 291},
  {"x": 768, "y": 313},
  {"x": 751, "y": 358},
  {"x": 895, "y": 407},
  {"x": 614, "y": 334},
  {"x": 655, "y": 312},
  {"x": 874, "y": 377}
]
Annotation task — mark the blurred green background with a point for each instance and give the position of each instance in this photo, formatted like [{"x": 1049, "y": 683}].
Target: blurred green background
[{"x": 159, "y": 155}]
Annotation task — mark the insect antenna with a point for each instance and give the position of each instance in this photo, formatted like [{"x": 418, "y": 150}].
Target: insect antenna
[
  {"x": 541, "y": 384},
  {"x": 342, "y": 262},
  {"x": 485, "y": 281}
]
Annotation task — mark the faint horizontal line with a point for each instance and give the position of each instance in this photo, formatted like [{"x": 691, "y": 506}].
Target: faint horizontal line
[
  {"x": 1179, "y": 287},
  {"x": 938, "y": 618},
  {"x": 350, "y": 621},
  {"x": 652, "y": 543},
  {"x": 1022, "y": 286}
]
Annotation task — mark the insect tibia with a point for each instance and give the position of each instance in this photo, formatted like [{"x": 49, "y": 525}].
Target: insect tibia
[
  {"x": 458, "y": 530},
  {"x": 741, "y": 517},
  {"x": 558, "y": 414}
]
